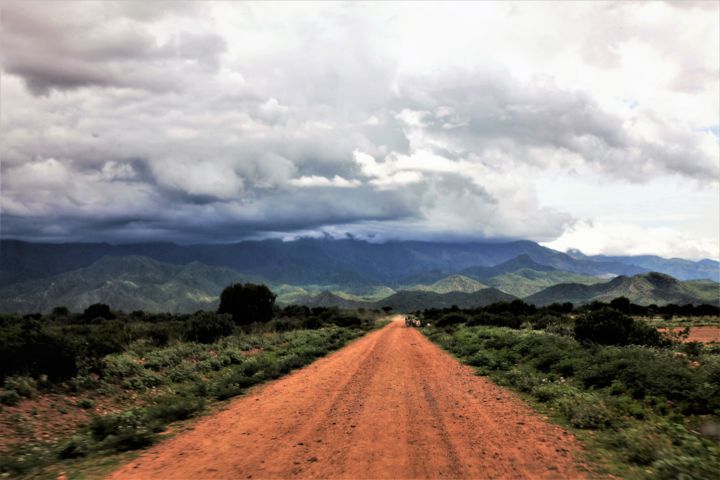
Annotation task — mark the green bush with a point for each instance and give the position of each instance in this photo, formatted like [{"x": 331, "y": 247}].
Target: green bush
[
  {"x": 686, "y": 467},
  {"x": 523, "y": 380},
  {"x": 77, "y": 446},
  {"x": 645, "y": 445},
  {"x": 9, "y": 397},
  {"x": 548, "y": 392},
  {"x": 174, "y": 408},
  {"x": 24, "y": 386},
  {"x": 144, "y": 380},
  {"x": 206, "y": 327},
  {"x": 121, "y": 366},
  {"x": 610, "y": 327},
  {"x": 163, "y": 358},
  {"x": 86, "y": 403},
  {"x": 124, "y": 431},
  {"x": 584, "y": 410}
]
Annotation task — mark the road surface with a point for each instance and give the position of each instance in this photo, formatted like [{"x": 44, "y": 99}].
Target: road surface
[{"x": 389, "y": 405}]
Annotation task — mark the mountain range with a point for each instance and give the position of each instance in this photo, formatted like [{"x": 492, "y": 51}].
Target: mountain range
[
  {"x": 132, "y": 281},
  {"x": 652, "y": 288},
  {"x": 346, "y": 262}
]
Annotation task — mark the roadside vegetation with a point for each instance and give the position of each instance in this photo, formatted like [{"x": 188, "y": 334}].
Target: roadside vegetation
[
  {"x": 645, "y": 404},
  {"x": 79, "y": 387}
]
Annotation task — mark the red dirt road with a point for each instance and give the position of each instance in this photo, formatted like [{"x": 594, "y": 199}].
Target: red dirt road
[{"x": 389, "y": 405}]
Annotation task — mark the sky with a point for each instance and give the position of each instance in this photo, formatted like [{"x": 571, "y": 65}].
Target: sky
[{"x": 586, "y": 125}]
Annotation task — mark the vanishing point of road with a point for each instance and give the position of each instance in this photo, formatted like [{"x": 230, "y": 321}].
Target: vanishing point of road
[{"x": 389, "y": 405}]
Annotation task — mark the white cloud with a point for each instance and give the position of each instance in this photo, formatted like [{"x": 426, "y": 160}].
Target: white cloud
[
  {"x": 318, "y": 181},
  {"x": 616, "y": 238}
]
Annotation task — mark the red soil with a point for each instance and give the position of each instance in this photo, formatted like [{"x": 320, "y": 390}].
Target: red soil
[
  {"x": 46, "y": 418},
  {"x": 699, "y": 334},
  {"x": 390, "y": 405}
]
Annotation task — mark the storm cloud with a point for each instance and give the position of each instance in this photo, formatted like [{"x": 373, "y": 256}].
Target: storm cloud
[{"x": 216, "y": 122}]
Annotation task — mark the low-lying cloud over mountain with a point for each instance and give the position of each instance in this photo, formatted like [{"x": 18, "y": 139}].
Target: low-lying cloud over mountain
[{"x": 199, "y": 122}]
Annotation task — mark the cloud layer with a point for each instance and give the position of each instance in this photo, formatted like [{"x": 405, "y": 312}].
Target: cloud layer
[{"x": 214, "y": 122}]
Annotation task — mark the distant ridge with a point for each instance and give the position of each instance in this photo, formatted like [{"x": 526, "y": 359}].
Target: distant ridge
[
  {"x": 125, "y": 283},
  {"x": 652, "y": 288},
  {"x": 338, "y": 262},
  {"x": 408, "y": 301}
]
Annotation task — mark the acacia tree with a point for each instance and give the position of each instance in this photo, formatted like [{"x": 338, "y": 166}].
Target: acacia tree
[{"x": 247, "y": 303}]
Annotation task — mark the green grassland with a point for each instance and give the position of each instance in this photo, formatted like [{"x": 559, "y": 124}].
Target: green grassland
[
  {"x": 140, "y": 376},
  {"x": 641, "y": 411}
]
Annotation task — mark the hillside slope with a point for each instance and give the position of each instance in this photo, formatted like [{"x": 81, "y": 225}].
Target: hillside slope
[
  {"x": 524, "y": 282},
  {"x": 124, "y": 283},
  {"x": 451, "y": 283}
]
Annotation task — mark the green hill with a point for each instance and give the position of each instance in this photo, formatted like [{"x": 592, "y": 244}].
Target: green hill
[
  {"x": 524, "y": 282},
  {"x": 330, "y": 299},
  {"x": 451, "y": 283},
  {"x": 513, "y": 265},
  {"x": 409, "y": 301},
  {"x": 125, "y": 283},
  {"x": 645, "y": 289}
]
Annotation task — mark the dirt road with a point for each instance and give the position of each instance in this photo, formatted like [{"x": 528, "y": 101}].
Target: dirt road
[
  {"x": 703, "y": 334},
  {"x": 390, "y": 405}
]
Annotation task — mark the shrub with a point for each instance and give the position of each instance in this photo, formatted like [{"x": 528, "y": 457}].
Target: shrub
[
  {"x": 24, "y": 386},
  {"x": 548, "y": 392},
  {"x": 31, "y": 348},
  {"x": 124, "y": 431},
  {"x": 347, "y": 321},
  {"x": 86, "y": 403},
  {"x": 171, "y": 409},
  {"x": 165, "y": 358},
  {"x": 523, "y": 380},
  {"x": 686, "y": 468},
  {"x": 77, "y": 446},
  {"x": 9, "y": 397},
  {"x": 181, "y": 373},
  {"x": 143, "y": 380},
  {"x": 584, "y": 410},
  {"x": 208, "y": 327},
  {"x": 610, "y": 327},
  {"x": 451, "y": 319},
  {"x": 60, "y": 311},
  {"x": 645, "y": 445},
  {"x": 120, "y": 366},
  {"x": 605, "y": 326}
]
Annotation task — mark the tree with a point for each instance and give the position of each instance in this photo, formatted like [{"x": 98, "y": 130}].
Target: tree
[
  {"x": 60, "y": 311},
  {"x": 621, "y": 304},
  {"x": 247, "y": 303},
  {"x": 98, "y": 310}
]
